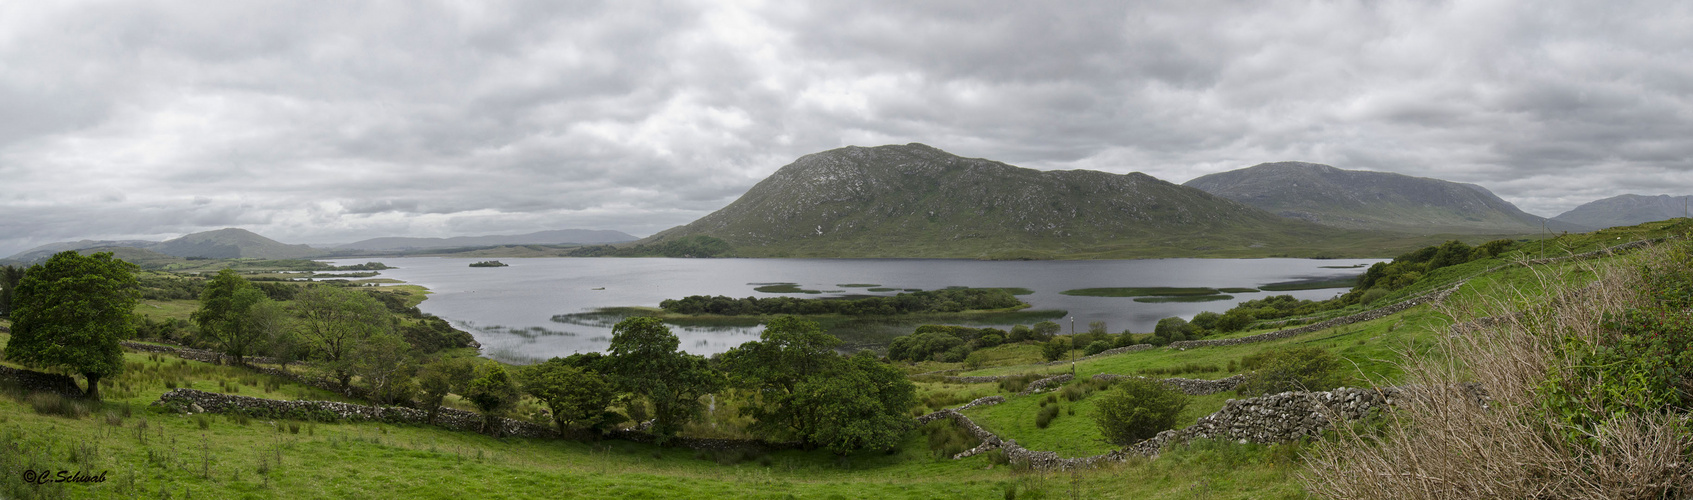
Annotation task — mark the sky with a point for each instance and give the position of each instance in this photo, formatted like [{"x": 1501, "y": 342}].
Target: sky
[{"x": 331, "y": 122}]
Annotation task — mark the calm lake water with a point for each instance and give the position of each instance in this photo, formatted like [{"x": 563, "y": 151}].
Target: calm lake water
[{"x": 510, "y": 310}]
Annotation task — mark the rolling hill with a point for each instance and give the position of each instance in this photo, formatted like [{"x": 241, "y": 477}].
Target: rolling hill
[
  {"x": 558, "y": 237},
  {"x": 1627, "y": 210},
  {"x": 1356, "y": 199},
  {"x": 918, "y": 201}
]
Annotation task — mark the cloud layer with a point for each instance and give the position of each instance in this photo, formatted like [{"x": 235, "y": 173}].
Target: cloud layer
[{"x": 334, "y": 122}]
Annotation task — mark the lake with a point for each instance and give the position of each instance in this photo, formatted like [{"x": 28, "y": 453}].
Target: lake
[{"x": 511, "y": 310}]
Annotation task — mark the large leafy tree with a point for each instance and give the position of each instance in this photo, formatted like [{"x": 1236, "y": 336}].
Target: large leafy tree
[
  {"x": 493, "y": 393},
  {"x": 335, "y": 321},
  {"x": 861, "y": 404},
  {"x": 645, "y": 362},
  {"x": 71, "y": 312},
  {"x": 805, "y": 391},
  {"x": 9, "y": 278},
  {"x": 226, "y": 315},
  {"x": 577, "y": 397}
]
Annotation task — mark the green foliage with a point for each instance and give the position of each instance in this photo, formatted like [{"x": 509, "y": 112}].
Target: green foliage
[
  {"x": 936, "y": 301},
  {"x": 1046, "y": 329},
  {"x": 1055, "y": 349},
  {"x": 334, "y": 321},
  {"x": 493, "y": 392},
  {"x": 9, "y": 278},
  {"x": 383, "y": 364},
  {"x": 1096, "y": 347},
  {"x": 578, "y": 398},
  {"x": 810, "y": 394},
  {"x": 227, "y": 302},
  {"x": 1137, "y": 409},
  {"x": 489, "y": 263},
  {"x": 432, "y": 334},
  {"x": 1643, "y": 364},
  {"x": 1046, "y": 414},
  {"x": 644, "y": 360},
  {"x": 441, "y": 377},
  {"x": 71, "y": 311},
  {"x": 1297, "y": 368},
  {"x": 1173, "y": 329}
]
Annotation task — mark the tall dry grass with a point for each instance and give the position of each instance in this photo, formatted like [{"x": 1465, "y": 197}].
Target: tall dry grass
[{"x": 1447, "y": 440}]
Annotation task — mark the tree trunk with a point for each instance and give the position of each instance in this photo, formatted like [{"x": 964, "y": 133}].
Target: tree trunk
[{"x": 93, "y": 386}]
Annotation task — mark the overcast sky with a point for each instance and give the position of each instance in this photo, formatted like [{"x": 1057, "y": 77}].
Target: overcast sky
[{"x": 319, "y": 122}]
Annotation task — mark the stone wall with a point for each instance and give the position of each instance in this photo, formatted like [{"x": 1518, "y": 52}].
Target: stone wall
[
  {"x": 1188, "y": 386},
  {"x": 1268, "y": 419},
  {"x": 1037, "y": 385},
  {"x": 195, "y": 401},
  {"x": 34, "y": 381}
]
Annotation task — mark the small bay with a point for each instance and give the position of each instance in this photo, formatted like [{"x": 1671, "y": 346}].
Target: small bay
[{"x": 511, "y": 310}]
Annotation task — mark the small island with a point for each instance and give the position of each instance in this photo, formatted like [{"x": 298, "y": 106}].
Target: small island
[{"x": 489, "y": 263}]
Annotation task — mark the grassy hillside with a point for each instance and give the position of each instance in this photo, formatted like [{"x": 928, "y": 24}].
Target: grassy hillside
[{"x": 147, "y": 452}]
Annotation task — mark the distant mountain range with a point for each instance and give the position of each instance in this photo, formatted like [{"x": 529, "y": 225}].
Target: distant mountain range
[
  {"x": 232, "y": 243},
  {"x": 559, "y": 237},
  {"x": 1627, "y": 210},
  {"x": 918, "y": 201},
  {"x": 1355, "y": 199}
]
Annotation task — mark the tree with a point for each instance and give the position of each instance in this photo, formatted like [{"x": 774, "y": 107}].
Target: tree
[
  {"x": 225, "y": 304},
  {"x": 576, "y": 397},
  {"x": 645, "y": 362},
  {"x": 1137, "y": 409},
  {"x": 1054, "y": 349},
  {"x": 1046, "y": 329},
  {"x": 789, "y": 352},
  {"x": 442, "y": 377},
  {"x": 383, "y": 363},
  {"x": 1173, "y": 329},
  {"x": 334, "y": 321},
  {"x": 9, "y": 278},
  {"x": 861, "y": 404},
  {"x": 492, "y": 393},
  {"x": 71, "y": 312}
]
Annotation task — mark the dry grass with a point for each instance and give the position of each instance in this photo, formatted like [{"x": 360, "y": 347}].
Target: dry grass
[{"x": 1443, "y": 441}]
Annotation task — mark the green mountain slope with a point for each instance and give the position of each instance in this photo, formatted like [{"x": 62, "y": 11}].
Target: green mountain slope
[
  {"x": 1356, "y": 199},
  {"x": 918, "y": 201},
  {"x": 1627, "y": 210},
  {"x": 232, "y": 243}
]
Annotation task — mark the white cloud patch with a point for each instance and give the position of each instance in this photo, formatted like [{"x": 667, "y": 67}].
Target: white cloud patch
[{"x": 330, "y": 122}]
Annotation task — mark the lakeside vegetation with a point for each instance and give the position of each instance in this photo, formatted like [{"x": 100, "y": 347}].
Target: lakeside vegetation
[{"x": 151, "y": 451}]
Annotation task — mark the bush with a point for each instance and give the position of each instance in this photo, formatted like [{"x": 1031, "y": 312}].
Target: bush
[
  {"x": 1291, "y": 369},
  {"x": 1046, "y": 415},
  {"x": 1055, "y": 349},
  {"x": 1097, "y": 347},
  {"x": 1137, "y": 409}
]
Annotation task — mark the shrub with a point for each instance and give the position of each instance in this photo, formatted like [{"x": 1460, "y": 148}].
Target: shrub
[
  {"x": 1055, "y": 349},
  {"x": 1046, "y": 415},
  {"x": 1137, "y": 409},
  {"x": 1097, "y": 347},
  {"x": 1291, "y": 369}
]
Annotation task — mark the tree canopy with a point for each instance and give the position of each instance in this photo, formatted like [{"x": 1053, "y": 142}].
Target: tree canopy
[
  {"x": 335, "y": 321},
  {"x": 577, "y": 397},
  {"x": 645, "y": 362},
  {"x": 225, "y": 315},
  {"x": 71, "y": 312}
]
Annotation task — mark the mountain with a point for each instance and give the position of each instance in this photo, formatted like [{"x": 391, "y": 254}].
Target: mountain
[
  {"x": 918, "y": 201},
  {"x": 42, "y": 252},
  {"x": 1627, "y": 210},
  {"x": 227, "y": 243},
  {"x": 231, "y": 243},
  {"x": 1355, "y": 199},
  {"x": 558, "y": 237}
]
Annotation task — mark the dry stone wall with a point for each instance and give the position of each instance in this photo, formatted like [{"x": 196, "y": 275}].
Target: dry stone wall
[
  {"x": 34, "y": 381},
  {"x": 1188, "y": 386}
]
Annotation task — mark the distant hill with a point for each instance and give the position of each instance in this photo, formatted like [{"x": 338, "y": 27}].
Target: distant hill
[
  {"x": 1355, "y": 199},
  {"x": 918, "y": 201},
  {"x": 1627, "y": 210},
  {"x": 42, "y": 252},
  {"x": 558, "y": 237},
  {"x": 227, "y": 243},
  {"x": 232, "y": 243}
]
